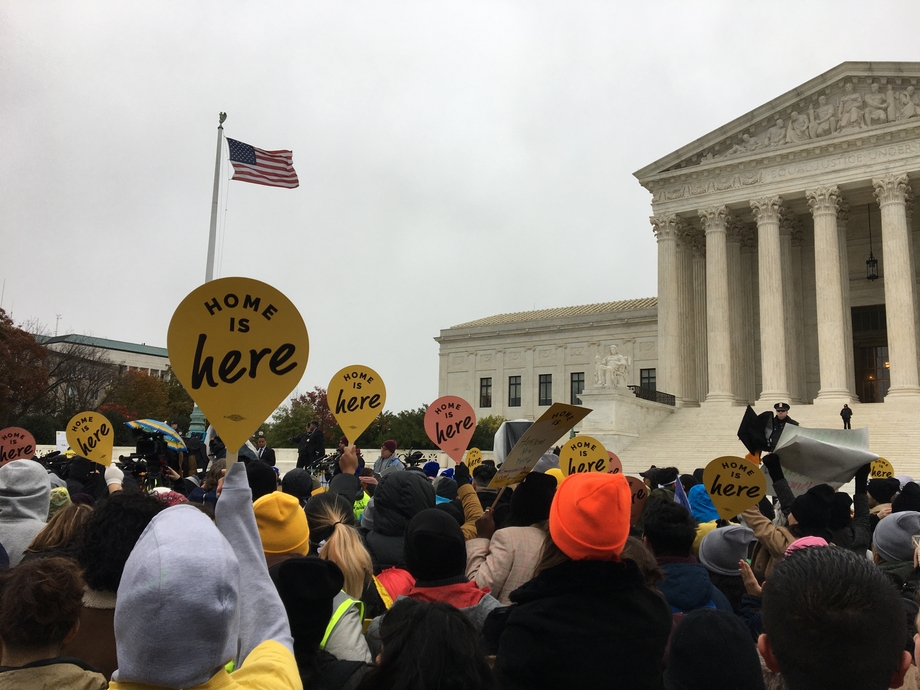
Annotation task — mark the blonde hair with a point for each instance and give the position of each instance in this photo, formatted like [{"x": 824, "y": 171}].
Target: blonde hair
[
  {"x": 343, "y": 546},
  {"x": 62, "y": 529}
]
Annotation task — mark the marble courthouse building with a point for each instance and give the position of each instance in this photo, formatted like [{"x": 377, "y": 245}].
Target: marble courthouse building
[
  {"x": 763, "y": 230},
  {"x": 771, "y": 231}
]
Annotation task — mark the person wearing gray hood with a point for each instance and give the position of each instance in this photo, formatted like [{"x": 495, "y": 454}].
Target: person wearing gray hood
[
  {"x": 194, "y": 597},
  {"x": 25, "y": 498}
]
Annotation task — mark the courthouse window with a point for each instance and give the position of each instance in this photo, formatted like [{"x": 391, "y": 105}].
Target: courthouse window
[
  {"x": 647, "y": 379},
  {"x": 546, "y": 389},
  {"x": 514, "y": 391},
  {"x": 485, "y": 392},
  {"x": 577, "y": 385}
]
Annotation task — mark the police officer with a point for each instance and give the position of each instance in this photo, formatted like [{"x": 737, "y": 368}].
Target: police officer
[{"x": 780, "y": 419}]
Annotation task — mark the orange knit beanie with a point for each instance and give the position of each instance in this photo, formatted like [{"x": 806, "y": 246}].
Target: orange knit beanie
[{"x": 589, "y": 517}]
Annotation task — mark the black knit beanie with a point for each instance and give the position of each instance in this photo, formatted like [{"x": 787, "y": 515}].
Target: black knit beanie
[
  {"x": 297, "y": 482},
  {"x": 908, "y": 499},
  {"x": 883, "y": 490},
  {"x": 840, "y": 511},
  {"x": 812, "y": 510},
  {"x": 307, "y": 587},
  {"x": 712, "y": 650},
  {"x": 530, "y": 502},
  {"x": 435, "y": 549},
  {"x": 262, "y": 479}
]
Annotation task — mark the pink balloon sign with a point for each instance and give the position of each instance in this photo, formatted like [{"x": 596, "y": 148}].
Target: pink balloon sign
[
  {"x": 450, "y": 423},
  {"x": 639, "y": 492},
  {"x": 16, "y": 444},
  {"x": 616, "y": 467}
]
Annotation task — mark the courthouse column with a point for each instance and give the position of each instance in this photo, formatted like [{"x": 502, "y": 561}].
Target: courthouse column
[
  {"x": 792, "y": 281},
  {"x": 832, "y": 353},
  {"x": 893, "y": 193},
  {"x": 718, "y": 323},
  {"x": 767, "y": 211},
  {"x": 666, "y": 229},
  {"x": 748, "y": 277},
  {"x": 736, "y": 230},
  {"x": 685, "y": 308},
  {"x": 843, "y": 214},
  {"x": 699, "y": 310}
]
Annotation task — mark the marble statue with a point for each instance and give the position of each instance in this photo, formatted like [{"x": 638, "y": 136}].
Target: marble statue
[
  {"x": 876, "y": 107},
  {"x": 748, "y": 144},
  {"x": 850, "y": 109},
  {"x": 797, "y": 130},
  {"x": 612, "y": 370}
]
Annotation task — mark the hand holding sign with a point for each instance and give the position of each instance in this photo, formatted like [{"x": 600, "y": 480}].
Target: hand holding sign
[
  {"x": 734, "y": 485},
  {"x": 356, "y": 395},
  {"x": 238, "y": 346},
  {"x": 90, "y": 435},
  {"x": 450, "y": 423},
  {"x": 881, "y": 469},
  {"x": 16, "y": 444},
  {"x": 583, "y": 454}
]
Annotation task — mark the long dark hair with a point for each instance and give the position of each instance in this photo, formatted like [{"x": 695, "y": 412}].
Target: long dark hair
[{"x": 427, "y": 646}]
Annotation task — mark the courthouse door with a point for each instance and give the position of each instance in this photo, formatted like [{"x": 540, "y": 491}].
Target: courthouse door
[{"x": 870, "y": 350}]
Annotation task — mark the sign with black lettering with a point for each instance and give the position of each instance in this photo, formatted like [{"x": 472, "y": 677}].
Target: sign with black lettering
[
  {"x": 881, "y": 469},
  {"x": 549, "y": 428},
  {"x": 239, "y": 346},
  {"x": 356, "y": 395},
  {"x": 450, "y": 423},
  {"x": 583, "y": 454},
  {"x": 615, "y": 466},
  {"x": 473, "y": 458},
  {"x": 90, "y": 434},
  {"x": 16, "y": 444},
  {"x": 639, "y": 492},
  {"x": 734, "y": 485}
]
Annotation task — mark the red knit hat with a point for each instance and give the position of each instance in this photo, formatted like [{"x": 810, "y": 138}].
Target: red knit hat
[{"x": 589, "y": 517}]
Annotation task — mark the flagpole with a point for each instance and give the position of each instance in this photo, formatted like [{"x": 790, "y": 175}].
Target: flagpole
[
  {"x": 212, "y": 236},
  {"x": 196, "y": 425}
]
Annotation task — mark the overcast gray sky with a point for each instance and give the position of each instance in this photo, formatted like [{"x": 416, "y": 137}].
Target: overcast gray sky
[{"x": 456, "y": 159}]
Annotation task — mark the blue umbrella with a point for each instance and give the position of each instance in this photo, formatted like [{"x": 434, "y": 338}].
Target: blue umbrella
[{"x": 152, "y": 426}]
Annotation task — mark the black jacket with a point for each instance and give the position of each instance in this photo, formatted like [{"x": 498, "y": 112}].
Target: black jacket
[
  {"x": 584, "y": 624},
  {"x": 399, "y": 497}
]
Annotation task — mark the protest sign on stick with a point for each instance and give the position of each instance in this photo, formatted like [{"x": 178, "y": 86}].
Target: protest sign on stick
[
  {"x": 549, "y": 428},
  {"x": 356, "y": 395},
  {"x": 239, "y": 347},
  {"x": 881, "y": 469},
  {"x": 90, "y": 435},
  {"x": 639, "y": 492},
  {"x": 16, "y": 444},
  {"x": 473, "y": 458},
  {"x": 450, "y": 423},
  {"x": 734, "y": 485},
  {"x": 583, "y": 454}
]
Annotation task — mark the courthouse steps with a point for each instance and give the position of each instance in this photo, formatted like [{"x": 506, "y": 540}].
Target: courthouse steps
[{"x": 693, "y": 436}]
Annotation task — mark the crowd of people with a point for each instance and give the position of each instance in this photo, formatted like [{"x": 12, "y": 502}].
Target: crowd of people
[{"x": 421, "y": 577}]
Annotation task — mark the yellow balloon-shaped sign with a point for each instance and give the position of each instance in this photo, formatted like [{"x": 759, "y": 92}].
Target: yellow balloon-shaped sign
[
  {"x": 583, "y": 454},
  {"x": 239, "y": 346},
  {"x": 90, "y": 434},
  {"x": 881, "y": 469},
  {"x": 356, "y": 395},
  {"x": 734, "y": 485},
  {"x": 473, "y": 458}
]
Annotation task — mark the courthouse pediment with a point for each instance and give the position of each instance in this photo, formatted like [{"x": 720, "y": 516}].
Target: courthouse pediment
[{"x": 850, "y": 102}]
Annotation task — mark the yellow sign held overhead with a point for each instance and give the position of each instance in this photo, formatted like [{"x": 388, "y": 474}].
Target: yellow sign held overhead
[
  {"x": 583, "y": 454},
  {"x": 734, "y": 485},
  {"x": 356, "y": 395},
  {"x": 90, "y": 435},
  {"x": 881, "y": 469},
  {"x": 473, "y": 458},
  {"x": 239, "y": 347}
]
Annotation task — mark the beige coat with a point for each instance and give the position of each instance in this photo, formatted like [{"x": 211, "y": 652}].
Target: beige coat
[
  {"x": 772, "y": 541},
  {"x": 505, "y": 562}
]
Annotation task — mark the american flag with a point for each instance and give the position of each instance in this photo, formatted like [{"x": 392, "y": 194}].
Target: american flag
[{"x": 271, "y": 168}]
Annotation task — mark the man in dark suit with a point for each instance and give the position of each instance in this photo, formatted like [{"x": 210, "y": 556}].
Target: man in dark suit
[{"x": 266, "y": 454}]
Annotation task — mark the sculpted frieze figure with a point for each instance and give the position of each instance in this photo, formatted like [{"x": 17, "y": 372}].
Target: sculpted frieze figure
[
  {"x": 907, "y": 105},
  {"x": 776, "y": 135},
  {"x": 850, "y": 109},
  {"x": 876, "y": 107},
  {"x": 823, "y": 119},
  {"x": 797, "y": 130}
]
